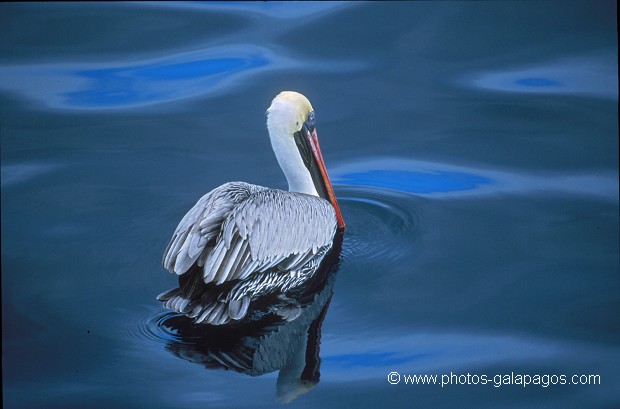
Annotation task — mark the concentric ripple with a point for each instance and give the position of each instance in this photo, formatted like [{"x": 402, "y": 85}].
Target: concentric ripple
[
  {"x": 155, "y": 328},
  {"x": 381, "y": 223}
]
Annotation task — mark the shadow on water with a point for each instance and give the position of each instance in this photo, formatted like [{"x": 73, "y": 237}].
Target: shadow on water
[{"x": 265, "y": 342}]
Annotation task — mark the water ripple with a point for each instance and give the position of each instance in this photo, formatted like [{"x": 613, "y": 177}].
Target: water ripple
[
  {"x": 594, "y": 76},
  {"x": 152, "y": 328},
  {"x": 440, "y": 181},
  {"x": 123, "y": 84},
  {"x": 14, "y": 174},
  {"x": 381, "y": 223},
  {"x": 150, "y": 81},
  {"x": 281, "y": 11}
]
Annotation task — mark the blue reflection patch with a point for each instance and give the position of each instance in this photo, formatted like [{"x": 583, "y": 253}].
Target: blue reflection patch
[
  {"x": 594, "y": 75},
  {"x": 370, "y": 359},
  {"x": 415, "y": 182},
  {"x": 155, "y": 82},
  {"x": 196, "y": 69},
  {"x": 537, "y": 82}
]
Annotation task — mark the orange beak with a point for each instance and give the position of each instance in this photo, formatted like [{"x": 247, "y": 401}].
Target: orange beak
[{"x": 318, "y": 158}]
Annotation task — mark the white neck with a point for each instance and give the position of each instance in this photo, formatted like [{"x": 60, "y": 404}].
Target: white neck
[{"x": 283, "y": 144}]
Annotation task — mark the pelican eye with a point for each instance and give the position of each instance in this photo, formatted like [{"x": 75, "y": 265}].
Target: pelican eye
[{"x": 310, "y": 122}]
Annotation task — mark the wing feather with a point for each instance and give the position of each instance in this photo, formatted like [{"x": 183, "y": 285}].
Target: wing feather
[
  {"x": 239, "y": 229},
  {"x": 269, "y": 228},
  {"x": 242, "y": 259},
  {"x": 202, "y": 224}
]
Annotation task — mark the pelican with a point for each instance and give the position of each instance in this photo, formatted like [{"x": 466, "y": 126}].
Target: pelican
[{"x": 241, "y": 241}]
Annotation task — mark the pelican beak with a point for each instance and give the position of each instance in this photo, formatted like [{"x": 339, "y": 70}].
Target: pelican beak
[{"x": 308, "y": 144}]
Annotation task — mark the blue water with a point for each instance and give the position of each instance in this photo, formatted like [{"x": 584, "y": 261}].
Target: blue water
[{"x": 473, "y": 147}]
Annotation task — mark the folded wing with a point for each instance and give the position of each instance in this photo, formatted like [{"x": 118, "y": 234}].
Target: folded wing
[
  {"x": 239, "y": 229},
  {"x": 196, "y": 233}
]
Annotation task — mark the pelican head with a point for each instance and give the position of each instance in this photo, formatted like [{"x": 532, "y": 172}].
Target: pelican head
[
  {"x": 287, "y": 114},
  {"x": 292, "y": 130}
]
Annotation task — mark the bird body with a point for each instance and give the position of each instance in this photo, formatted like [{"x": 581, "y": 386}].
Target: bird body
[{"x": 242, "y": 241}]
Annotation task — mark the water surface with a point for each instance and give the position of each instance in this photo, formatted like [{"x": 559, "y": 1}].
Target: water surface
[{"x": 473, "y": 148}]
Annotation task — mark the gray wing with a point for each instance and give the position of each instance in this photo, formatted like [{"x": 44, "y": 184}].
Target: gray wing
[
  {"x": 197, "y": 231},
  {"x": 271, "y": 228},
  {"x": 239, "y": 229}
]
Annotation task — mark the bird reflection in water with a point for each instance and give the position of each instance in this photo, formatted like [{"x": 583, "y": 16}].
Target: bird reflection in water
[{"x": 278, "y": 333}]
